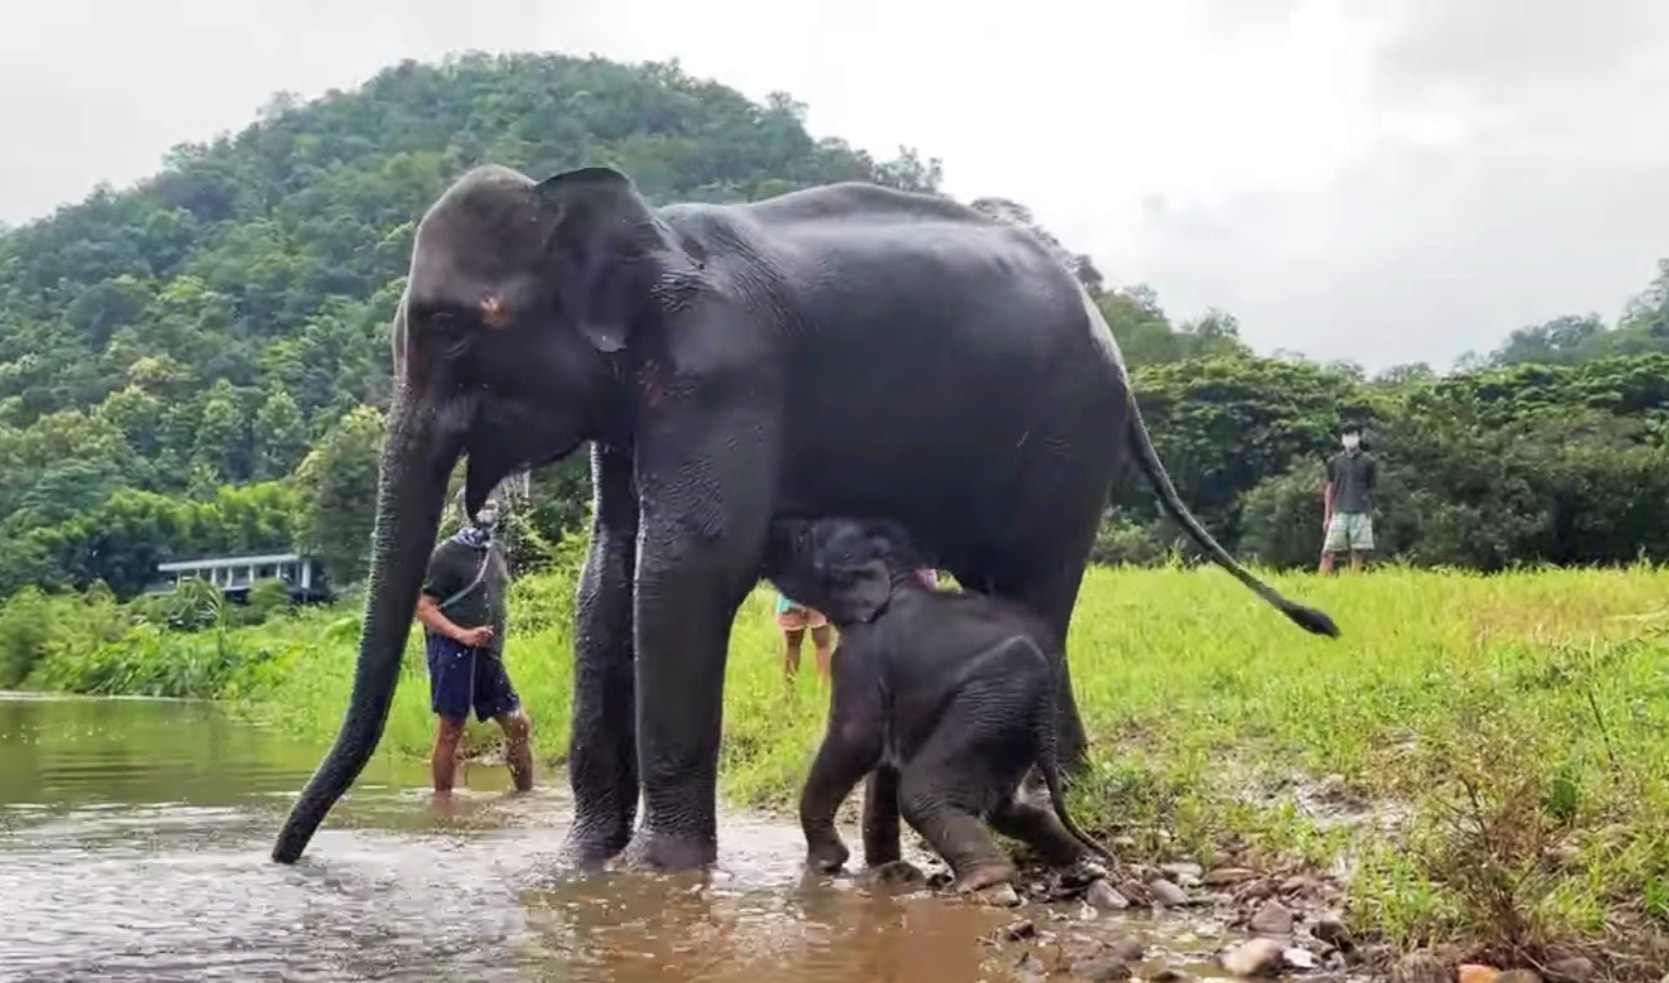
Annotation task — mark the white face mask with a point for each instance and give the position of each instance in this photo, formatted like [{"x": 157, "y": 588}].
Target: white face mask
[{"x": 1351, "y": 441}]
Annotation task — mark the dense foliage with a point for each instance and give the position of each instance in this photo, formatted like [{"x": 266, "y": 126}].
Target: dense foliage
[{"x": 198, "y": 364}]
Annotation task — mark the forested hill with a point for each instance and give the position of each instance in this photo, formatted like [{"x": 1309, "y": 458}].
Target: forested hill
[
  {"x": 198, "y": 364},
  {"x": 207, "y": 327}
]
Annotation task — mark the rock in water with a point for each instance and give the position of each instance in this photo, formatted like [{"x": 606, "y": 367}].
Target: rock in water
[
  {"x": 1105, "y": 897},
  {"x": 1258, "y": 957},
  {"x": 1298, "y": 958},
  {"x": 1167, "y": 895},
  {"x": 1124, "y": 950},
  {"x": 1000, "y": 896},
  {"x": 1272, "y": 919},
  {"x": 1101, "y": 970}
]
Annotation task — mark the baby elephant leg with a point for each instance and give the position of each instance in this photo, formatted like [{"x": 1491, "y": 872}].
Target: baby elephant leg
[
  {"x": 851, "y": 748},
  {"x": 1040, "y": 829},
  {"x": 880, "y": 818},
  {"x": 943, "y": 792}
]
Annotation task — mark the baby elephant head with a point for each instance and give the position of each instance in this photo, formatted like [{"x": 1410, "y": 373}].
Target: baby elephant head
[{"x": 844, "y": 567}]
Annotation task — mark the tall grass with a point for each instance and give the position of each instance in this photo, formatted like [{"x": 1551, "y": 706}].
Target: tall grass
[{"x": 1509, "y": 733}]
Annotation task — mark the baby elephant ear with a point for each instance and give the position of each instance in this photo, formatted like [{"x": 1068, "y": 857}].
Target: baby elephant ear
[{"x": 870, "y": 589}]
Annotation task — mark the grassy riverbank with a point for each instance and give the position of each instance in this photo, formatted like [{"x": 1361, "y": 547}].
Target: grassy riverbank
[{"x": 1488, "y": 757}]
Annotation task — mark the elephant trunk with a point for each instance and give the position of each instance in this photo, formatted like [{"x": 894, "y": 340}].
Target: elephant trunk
[{"x": 411, "y": 494}]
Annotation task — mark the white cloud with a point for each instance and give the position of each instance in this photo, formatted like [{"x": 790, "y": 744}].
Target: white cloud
[{"x": 1387, "y": 188}]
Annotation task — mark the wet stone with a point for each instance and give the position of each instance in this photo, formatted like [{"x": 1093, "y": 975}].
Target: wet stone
[
  {"x": 1573, "y": 969},
  {"x": 1167, "y": 895},
  {"x": 1272, "y": 919},
  {"x": 1101, "y": 970},
  {"x": 1186, "y": 874},
  {"x": 1519, "y": 976},
  {"x": 1125, "y": 949},
  {"x": 1228, "y": 876},
  {"x": 1298, "y": 958},
  {"x": 1258, "y": 957},
  {"x": 1000, "y": 896},
  {"x": 1166, "y": 974},
  {"x": 1105, "y": 897},
  {"x": 1477, "y": 973}
]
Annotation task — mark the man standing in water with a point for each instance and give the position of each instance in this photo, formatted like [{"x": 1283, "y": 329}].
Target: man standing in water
[
  {"x": 462, "y": 609},
  {"x": 1347, "y": 502}
]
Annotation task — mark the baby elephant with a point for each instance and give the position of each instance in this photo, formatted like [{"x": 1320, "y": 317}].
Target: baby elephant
[{"x": 944, "y": 699}]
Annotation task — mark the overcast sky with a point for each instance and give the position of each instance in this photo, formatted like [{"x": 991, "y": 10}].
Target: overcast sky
[{"x": 1400, "y": 185}]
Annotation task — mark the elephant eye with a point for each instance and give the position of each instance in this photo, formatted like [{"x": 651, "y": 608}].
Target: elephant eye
[{"x": 451, "y": 334}]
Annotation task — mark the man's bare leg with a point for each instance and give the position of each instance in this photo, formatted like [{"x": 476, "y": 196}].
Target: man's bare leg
[
  {"x": 792, "y": 638},
  {"x": 518, "y": 748},
  {"x": 443, "y": 760},
  {"x": 822, "y": 651},
  {"x": 1358, "y": 559}
]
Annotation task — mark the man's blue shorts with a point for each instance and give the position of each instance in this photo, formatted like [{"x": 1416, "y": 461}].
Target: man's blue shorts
[{"x": 461, "y": 677}]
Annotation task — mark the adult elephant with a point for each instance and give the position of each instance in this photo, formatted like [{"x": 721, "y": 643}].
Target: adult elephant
[{"x": 846, "y": 349}]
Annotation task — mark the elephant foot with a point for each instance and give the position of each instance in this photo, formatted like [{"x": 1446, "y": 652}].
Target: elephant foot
[
  {"x": 983, "y": 876},
  {"x": 663, "y": 851},
  {"x": 828, "y": 856},
  {"x": 589, "y": 849},
  {"x": 1000, "y": 896},
  {"x": 898, "y": 876}
]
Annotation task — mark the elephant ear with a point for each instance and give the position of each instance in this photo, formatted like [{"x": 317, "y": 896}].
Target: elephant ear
[
  {"x": 603, "y": 233},
  {"x": 866, "y": 589}
]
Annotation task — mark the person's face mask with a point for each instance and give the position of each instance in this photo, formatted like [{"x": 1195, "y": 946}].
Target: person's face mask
[{"x": 1351, "y": 441}]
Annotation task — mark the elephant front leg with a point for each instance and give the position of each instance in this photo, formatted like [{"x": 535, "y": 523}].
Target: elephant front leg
[
  {"x": 602, "y": 749},
  {"x": 851, "y": 748},
  {"x": 705, "y": 507}
]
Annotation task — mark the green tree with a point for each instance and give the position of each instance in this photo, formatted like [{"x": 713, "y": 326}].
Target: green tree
[{"x": 338, "y": 486}]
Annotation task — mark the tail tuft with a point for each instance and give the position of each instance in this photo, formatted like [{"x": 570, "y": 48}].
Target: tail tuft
[{"x": 1309, "y": 619}]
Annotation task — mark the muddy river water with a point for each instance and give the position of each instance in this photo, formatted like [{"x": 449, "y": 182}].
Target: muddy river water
[{"x": 134, "y": 838}]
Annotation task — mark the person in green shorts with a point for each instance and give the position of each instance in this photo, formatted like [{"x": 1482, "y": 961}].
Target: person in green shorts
[
  {"x": 794, "y": 620},
  {"x": 1347, "y": 502}
]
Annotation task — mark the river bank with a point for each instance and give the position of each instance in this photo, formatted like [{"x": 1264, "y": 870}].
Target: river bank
[{"x": 1479, "y": 764}]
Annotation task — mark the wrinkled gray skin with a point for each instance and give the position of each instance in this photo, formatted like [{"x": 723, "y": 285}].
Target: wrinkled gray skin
[
  {"x": 943, "y": 699},
  {"x": 845, "y": 349}
]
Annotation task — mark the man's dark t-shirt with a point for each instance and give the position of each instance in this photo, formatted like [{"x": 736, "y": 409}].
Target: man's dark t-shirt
[
  {"x": 453, "y": 567},
  {"x": 1353, "y": 477}
]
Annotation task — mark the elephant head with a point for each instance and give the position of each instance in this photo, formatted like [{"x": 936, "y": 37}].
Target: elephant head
[
  {"x": 508, "y": 348},
  {"x": 845, "y": 567}
]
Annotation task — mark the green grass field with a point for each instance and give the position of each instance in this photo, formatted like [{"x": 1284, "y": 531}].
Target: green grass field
[{"x": 1505, "y": 738}]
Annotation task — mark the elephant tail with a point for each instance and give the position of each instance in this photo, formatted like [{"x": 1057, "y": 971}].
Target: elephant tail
[
  {"x": 1141, "y": 444},
  {"x": 1048, "y": 764}
]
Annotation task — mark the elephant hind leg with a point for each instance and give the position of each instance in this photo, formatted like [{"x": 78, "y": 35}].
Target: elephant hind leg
[
  {"x": 1039, "y": 829},
  {"x": 954, "y": 780},
  {"x": 880, "y": 818},
  {"x": 955, "y": 833}
]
